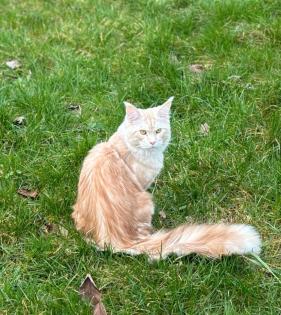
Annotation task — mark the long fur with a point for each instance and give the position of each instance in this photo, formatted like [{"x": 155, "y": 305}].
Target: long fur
[{"x": 114, "y": 209}]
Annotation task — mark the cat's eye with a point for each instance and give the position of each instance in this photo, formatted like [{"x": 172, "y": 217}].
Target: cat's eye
[
  {"x": 143, "y": 132},
  {"x": 158, "y": 130}
]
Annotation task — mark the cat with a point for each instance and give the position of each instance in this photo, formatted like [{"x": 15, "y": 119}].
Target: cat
[{"x": 114, "y": 209}]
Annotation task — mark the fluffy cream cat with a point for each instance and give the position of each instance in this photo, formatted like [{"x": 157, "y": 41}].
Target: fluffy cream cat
[{"x": 114, "y": 209}]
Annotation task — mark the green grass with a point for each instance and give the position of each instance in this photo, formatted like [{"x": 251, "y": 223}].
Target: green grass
[{"x": 97, "y": 54}]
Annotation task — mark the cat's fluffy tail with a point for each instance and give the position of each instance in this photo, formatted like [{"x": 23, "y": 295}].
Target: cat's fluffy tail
[{"x": 212, "y": 240}]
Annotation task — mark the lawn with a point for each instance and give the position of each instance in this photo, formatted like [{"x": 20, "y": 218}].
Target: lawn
[{"x": 93, "y": 55}]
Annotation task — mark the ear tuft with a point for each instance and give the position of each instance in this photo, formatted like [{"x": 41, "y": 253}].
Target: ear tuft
[
  {"x": 164, "y": 109},
  {"x": 132, "y": 113}
]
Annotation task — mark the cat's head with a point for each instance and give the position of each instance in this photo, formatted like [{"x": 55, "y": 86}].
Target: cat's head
[{"x": 148, "y": 129}]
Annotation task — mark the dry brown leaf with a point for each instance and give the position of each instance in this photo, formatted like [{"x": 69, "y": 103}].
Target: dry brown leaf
[
  {"x": 75, "y": 108},
  {"x": 162, "y": 214},
  {"x": 28, "y": 193},
  {"x": 13, "y": 64},
  {"x": 19, "y": 121},
  {"x": 48, "y": 228},
  {"x": 88, "y": 290},
  {"x": 99, "y": 309},
  {"x": 197, "y": 68},
  {"x": 53, "y": 228}
]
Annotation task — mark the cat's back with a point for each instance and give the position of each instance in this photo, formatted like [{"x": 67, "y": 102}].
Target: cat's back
[
  {"x": 98, "y": 155},
  {"x": 110, "y": 152}
]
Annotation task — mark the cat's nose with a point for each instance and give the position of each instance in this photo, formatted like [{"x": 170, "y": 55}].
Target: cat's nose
[{"x": 152, "y": 142}]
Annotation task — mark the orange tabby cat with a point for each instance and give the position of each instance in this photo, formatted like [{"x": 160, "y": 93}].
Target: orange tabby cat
[{"x": 114, "y": 209}]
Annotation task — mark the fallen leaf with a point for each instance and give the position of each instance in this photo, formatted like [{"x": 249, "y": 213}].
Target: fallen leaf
[
  {"x": 19, "y": 121},
  {"x": 162, "y": 214},
  {"x": 28, "y": 193},
  {"x": 63, "y": 231},
  {"x": 47, "y": 228},
  {"x": 99, "y": 309},
  {"x": 88, "y": 290},
  {"x": 13, "y": 64},
  {"x": 53, "y": 228},
  {"x": 74, "y": 108},
  {"x": 197, "y": 68},
  {"x": 204, "y": 129}
]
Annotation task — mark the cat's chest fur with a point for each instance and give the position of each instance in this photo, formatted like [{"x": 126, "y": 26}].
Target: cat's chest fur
[{"x": 146, "y": 165}]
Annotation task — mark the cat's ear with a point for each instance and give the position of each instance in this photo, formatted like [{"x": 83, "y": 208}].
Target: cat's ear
[
  {"x": 164, "y": 109},
  {"x": 132, "y": 113}
]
